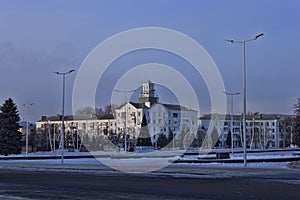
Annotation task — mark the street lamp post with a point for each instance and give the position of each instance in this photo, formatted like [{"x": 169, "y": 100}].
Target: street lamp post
[
  {"x": 231, "y": 115},
  {"x": 27, "y": 105},
  {"x": 63, "y": 112},
  {"x": 243, "y": 42},
  {"x": 125, "y": 124}
]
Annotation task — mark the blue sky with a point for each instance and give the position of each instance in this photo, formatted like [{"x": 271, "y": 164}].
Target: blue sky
[{"x": 40, "y": 37}]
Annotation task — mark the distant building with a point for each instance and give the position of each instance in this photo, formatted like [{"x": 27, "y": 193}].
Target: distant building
[
  {"x": 262, "y": 130},
  {"x": 161, "y": 118}
]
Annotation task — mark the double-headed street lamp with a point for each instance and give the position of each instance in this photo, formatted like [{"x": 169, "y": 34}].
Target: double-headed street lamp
[
  {"x": 243, "y": 42},
  {"x": 63, "y": 112},
  {"x": 27, "y": 105},
  {"x": 231, "y": 115}
]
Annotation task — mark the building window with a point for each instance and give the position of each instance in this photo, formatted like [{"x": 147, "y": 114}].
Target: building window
[{"x": 175, "y": 115}]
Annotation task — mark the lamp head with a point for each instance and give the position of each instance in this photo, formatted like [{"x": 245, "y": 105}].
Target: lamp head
[
  {"x": 231, "y": 41},
  {"x": 259, "y": 35}
]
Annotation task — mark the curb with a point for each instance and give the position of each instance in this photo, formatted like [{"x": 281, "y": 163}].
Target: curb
[{"x": 237, "y": 161}]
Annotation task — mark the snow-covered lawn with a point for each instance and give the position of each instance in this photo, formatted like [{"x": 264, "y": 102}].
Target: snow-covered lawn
[
  {"x": 239, "y": 156},
  {"x": 142, "y": 162},
  {"x": 170, "y": 153}
]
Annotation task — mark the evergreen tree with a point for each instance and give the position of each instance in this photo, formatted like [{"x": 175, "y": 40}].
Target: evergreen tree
[
  {"x": 215, "y": 138},
  {"x": 228, "y": 139},
  {"x": 170, "y": 136},
  {"x": 162, "y": 141},
  {"x": 199, "y": 139},
  {"x": 10, "y": 137},
  {"x": 144, "y": 136}
]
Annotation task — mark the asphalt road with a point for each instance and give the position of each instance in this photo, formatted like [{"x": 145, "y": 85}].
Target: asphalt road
[{"x": 18, "y": 184}]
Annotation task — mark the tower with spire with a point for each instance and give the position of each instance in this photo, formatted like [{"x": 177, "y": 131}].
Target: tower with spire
[{"x": 148, "y": 95}]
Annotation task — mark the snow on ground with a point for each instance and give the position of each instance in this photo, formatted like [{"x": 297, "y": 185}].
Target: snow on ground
[
  {"x": 239, "y": 165},
  {"x": 139, "y": 164},
  {"x": 240, "y": 156},
  {"x": 170, "y": 153},
  {"x": 148, "y": 166},
  {"x": 142, "y": 162}
]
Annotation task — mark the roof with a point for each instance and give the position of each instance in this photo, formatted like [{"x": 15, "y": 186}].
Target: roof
[
  {"x": 176, "y": 107},
  {"x": 168, "y": 106},
  {"x": 136, "y": 105}
]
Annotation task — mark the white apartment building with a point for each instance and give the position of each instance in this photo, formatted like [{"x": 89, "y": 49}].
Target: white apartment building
[
  {"x": 77, "y": 131},
  {"x": 262, "y": 130},
  {"x": 161, "y": 118}
]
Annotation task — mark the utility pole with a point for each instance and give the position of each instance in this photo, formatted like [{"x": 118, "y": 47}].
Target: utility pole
[
  {"x": 125, "y": 122},
  {"x": 63, "y": 112},
  {"x": 231, "y": 115},
  {"x": 27, "y": 125},
  {"x": 243, "y": 42}
]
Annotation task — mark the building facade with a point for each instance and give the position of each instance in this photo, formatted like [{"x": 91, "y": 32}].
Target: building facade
[
  {"x": 126, "y": 122},
  {"x": 262, "y": 130},
  {"x": 160, "y": 117}
]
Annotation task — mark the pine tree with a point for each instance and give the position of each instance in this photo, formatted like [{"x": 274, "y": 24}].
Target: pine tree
[
  {"x": 200, "y": 136},
  {"x": 10, "y": 137},
  {"x": 170, "y": 136},
  {"x": 215, "y": 138},
  {"x": 228, "y": 139},
  {"x": 144, "y": 137},
  {"x": 162, "y": 141}
]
